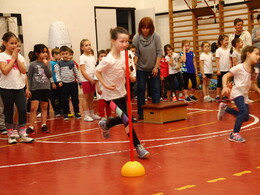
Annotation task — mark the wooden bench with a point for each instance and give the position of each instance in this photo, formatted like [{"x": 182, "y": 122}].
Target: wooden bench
[{"x": 165, "y": 112}]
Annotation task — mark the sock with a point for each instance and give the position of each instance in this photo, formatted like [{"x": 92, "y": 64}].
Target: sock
[
  {"x": 31, "y": 127},
  {"x": 44, "y": 125},
  {"x": 91, "y": 112},
  {"x": 191, "y": 95},
  {"x": 86, "y": 113},
  {"x": 9, "y": 131},
  {"x": 180, "y": 94}
]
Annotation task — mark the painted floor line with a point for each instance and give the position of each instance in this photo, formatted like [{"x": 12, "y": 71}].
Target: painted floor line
[
  {"x": 106, "y": 153},
  {"x": 190, "y": 127},
  {"x": 256, "y": 120},
  {"x": 185, "y": 187},
  {"x": 216, "y": 180},
  {"x": 242, "y": 173}
]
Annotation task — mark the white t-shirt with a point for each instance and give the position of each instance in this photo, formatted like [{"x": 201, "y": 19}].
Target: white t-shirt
[
  {"x": 224, "y": 59},
  {"x": 173, "y": 69},
  {"x": 207, "y": 62},
  {"x": 242, "y": 82},
  {"x": 90, "y": 65},
  {"x": 237, "y": 55},
  {"x": 113, "y": 72},
  {"x": 14, "y": 79}
]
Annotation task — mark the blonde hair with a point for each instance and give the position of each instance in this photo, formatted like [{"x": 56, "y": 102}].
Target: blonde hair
[
  {"x": 81, "y": 44},
  {"x": 183, "y": 42}
]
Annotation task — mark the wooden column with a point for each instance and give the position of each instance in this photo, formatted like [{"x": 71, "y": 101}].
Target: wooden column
[
  {"x": 171, "y": 26},
  {"x": 195, "y": 31},
  {"x": 250, "y": 20},
  {"x": 221, "y": 17}
]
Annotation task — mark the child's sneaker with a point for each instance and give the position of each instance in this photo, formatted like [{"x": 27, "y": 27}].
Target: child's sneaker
[
  {"x": 29, "y": 130},
  {"x": 181, "y": 98},
  {"x": 3, "y": 131},
  {"x": 105, "y": 130},
  {"x": 225, "y": 99},
  {"x": 236, "y": 137},
  {"x": 88, "y": 118},
  {"x": 57, "y": 114},
  {"x": 218, "y": 99},
  {"x": 207, "y": 99},
  {"x": 187, "y": 99},
  {"x": 103, "y": 118},
  {"x": 45, "y": 129},
  {"x": 65, "y": 117},
  {"x": 12, "y": 136},
  {"x": 95, "y": 117},
  {"x": 221, "y": 111},
  {"x": 164, "y": 99},
  {"x": 15, "y": 134},
  {"x": 70, "y": 114},
  {"x": 193, "y": 98},
  {"x": 12, "y": 140},
  {"x": 24, "y": 138},
  {"x": 174, "y": 99},
  {"x": 77, "y": 116},
  {"x": 212, "y": 99},
  {"x": 141, "y": 151}
]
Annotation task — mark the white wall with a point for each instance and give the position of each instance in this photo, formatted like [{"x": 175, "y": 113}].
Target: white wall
[
  {"x": 38, "y": 15},
  {"x": 78, "y": 15}
]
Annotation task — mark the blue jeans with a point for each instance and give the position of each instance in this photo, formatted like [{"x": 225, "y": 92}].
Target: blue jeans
[
  {"x": 142, "y": 77},
  {"x": 242, "y": 115}
]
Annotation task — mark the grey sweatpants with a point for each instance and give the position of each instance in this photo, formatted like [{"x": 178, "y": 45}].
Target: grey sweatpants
[{"x": 2, "y": 116}]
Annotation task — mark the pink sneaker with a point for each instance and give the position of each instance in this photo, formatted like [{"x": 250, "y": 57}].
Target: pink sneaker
[
  {"x": 181, "y": 98},
  {"x": 174, "y": 99},
  {"x": 221, "y": 111}
]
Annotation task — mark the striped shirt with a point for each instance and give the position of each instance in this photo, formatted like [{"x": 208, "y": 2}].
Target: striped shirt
[{"x": 66, "y": 72}]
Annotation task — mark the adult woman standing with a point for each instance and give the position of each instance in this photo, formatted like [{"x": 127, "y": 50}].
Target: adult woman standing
[
  {"x": 147, "y": 59},
  {"x": 240, "y": 33}
]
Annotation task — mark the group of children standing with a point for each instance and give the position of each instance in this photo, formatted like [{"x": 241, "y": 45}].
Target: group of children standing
[
  {"x": 54, "y": 74},
  {"x": 182, "y": 67}
]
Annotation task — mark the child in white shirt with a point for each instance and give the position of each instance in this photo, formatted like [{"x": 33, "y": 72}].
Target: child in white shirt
[{"x": 206, "y": 70}]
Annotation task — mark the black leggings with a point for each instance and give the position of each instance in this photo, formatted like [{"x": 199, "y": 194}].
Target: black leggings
[
  {"x": 172, "y": 81},
  {"x": 192, "y": 77},
  {"x": 121, "y": 118},
  {"x": 11, "y": 97}
]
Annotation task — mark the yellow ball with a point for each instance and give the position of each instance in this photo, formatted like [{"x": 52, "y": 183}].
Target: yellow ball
[{"x": 132, "y": 169}]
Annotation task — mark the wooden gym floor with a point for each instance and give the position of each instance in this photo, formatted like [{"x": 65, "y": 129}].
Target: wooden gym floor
[{"x": 191, "y": 156}]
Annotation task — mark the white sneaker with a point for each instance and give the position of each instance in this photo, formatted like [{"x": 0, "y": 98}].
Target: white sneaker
[
  {"x": 12, "y": 140},
  {"x": 95, "y": 117},
  {"x": 25, "y": 139},
  {"x": 88, "y": 118},
  {"x": 250, "y": 101},
  {"x": 15, "y": 134}
]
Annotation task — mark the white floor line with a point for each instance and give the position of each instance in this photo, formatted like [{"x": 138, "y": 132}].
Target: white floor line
[
  {"x": 256, "y": 120},
  {"x": 107, "y": 153}
]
